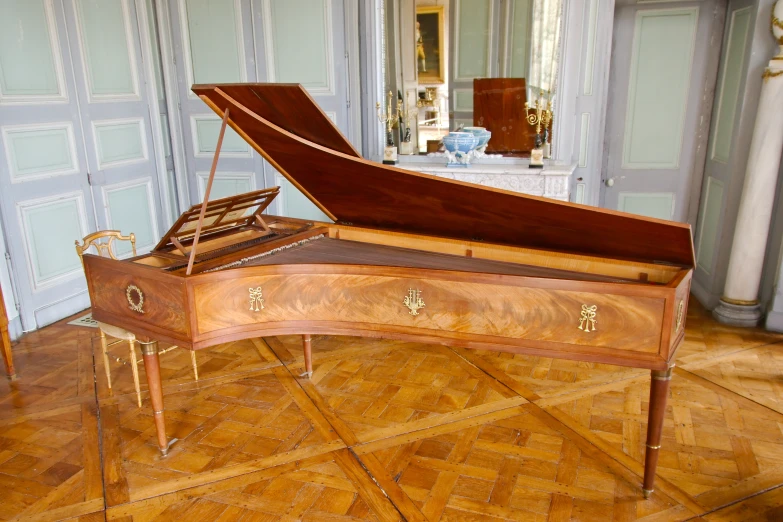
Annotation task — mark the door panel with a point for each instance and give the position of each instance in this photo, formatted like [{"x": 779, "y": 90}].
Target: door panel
[
  {"x": 214, "y": 40},
  {"x": 24, "y": 144},
  {"x": 120, "y": 142},
  {"x": 71, "y": 110},
  {"x": 662, "y": 65},
  {"x": 105, "y": 36},
  {"x": 729, "y": 82},
  {"x": 44, "y": 195},
  {"x": 166, "y": 162},
  {"x": 255, "y": 40},
  {"x": 309, "y": 50},
  {"x": 50, "y": 225},
  {"x": 31, "y": 67},
  {"x": 661, "y": 62},
  {"x": 115, "y": 114},
  {"x": 718, "y": 169},
  {"x": 475, "y": 52},
  {"x": 213, "y": 37}
]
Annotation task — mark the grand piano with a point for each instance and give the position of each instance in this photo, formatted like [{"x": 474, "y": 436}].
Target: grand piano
[{"x": 405, "y": 256}]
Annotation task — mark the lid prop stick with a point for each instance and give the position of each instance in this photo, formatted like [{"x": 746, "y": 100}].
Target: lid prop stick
[{"x": 206, "y": 193}]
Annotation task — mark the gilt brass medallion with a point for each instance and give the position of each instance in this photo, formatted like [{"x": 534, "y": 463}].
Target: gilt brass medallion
[
  {"x": 135, "y": 298},
  {"x": 413, "y": 301},
  {"x": 588, "y": 319},
  {"x": 256, "y": 299}
]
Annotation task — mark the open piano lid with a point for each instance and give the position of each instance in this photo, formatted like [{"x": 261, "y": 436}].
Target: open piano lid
[{"x": 286, "y": 126}]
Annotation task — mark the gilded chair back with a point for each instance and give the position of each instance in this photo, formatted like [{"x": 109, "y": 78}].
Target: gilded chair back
[{"x": 103, "y": 241}]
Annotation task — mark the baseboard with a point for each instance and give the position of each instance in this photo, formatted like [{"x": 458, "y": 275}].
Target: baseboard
[
  {"x": 707, "y": 299},
  {"x": 15, "y": 328},
  {"x": 774, "y": 321}
]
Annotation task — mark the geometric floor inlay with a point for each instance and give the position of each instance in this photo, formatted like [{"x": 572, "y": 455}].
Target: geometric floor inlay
[{"x": 390, "y": 430}]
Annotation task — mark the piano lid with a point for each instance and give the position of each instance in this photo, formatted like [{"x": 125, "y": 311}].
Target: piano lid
[{"x": 285, "y": 125}]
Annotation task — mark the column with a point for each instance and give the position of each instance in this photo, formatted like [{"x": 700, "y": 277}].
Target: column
[{"x": 739, "y": 305}]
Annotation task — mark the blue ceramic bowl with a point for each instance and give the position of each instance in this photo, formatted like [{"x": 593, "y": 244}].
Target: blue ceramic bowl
[
  {"x": 481, "y": 133},
  {"x": 460, "y": 142}
]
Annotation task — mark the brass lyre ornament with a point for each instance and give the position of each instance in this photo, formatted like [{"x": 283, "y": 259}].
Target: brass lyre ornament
[
  {"x": 680, "y": 311},
  {"x": 256, "y": 299},
  {"x": 413, "y": 301},
  {"x": 135, "y": 303},
  {"x": 587, "y": 319}
]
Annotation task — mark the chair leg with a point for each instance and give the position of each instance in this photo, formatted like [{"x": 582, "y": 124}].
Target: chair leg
[
  {"x": 195, "y": 366},
  {"x": 105, "y": 350},
  {"x": 135, "y": 368}
]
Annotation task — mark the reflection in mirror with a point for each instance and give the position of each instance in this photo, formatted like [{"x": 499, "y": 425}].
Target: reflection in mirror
[{"x": 465, "y": 63}]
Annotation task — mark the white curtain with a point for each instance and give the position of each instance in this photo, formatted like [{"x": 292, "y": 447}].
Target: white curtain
[{"x": 545, "y": 47}]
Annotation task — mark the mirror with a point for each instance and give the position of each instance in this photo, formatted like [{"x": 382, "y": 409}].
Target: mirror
[{"x": 463, "y": 63}]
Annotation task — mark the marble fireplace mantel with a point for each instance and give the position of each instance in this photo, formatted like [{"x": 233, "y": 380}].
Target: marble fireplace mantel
[{"x": 515, "y": 174}]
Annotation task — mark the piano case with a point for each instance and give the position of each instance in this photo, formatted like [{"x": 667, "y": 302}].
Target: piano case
[{"x": 406, "y": 256}]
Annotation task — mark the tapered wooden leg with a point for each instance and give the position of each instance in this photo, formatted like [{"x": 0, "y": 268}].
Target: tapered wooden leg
[
  {"x": 135, "y": 369},
  {"x": 659, "y": 392},
  {"x": 308, "y": 355},
  {"x": 105, "y": 350},
  {"x": 152, "y": 367},
  {"x": 5, "y": 344}
]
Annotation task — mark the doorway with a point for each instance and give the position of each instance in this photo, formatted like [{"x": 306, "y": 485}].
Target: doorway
[
  {"x": 288, "y": 41},
  {"x": 77, "y": 152},
  {"x": 662, "y": 76}
]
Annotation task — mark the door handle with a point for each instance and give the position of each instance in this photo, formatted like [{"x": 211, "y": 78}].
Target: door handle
[{"x": 609, "y": 182}]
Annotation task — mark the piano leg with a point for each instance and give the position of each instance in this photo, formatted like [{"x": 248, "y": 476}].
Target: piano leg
[
  {"x": 659, "y": 391},
  {"x": 152, "y": 369},
  {"x": 308, "y": 356}
]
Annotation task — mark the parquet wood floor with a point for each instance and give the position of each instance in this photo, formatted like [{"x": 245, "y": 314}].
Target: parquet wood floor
[{"x": 388, "y": 430}]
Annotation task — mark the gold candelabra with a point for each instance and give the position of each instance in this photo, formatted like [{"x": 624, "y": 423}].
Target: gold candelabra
[
  {"x": 541, "y": 115},
  {"x": 388, "y": 117},
  {"x": 430, "y": 98}
]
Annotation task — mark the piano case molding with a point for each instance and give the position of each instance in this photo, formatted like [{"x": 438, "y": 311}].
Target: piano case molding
[{"x": 410, "y": 256}]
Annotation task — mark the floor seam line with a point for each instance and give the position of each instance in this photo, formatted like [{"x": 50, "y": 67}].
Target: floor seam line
[
  {"x": 732, "y": 391},
  {"x": 326, "y": 419},
  {"x": 738, "y": 501}
]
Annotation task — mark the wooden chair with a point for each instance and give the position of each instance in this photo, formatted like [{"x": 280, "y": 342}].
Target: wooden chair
[
  {"x": 5, "y": 341},
  {"x": 103, "y": 242}
]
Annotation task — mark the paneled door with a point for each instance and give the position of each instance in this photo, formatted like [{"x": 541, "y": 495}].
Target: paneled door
[
  {"x": 718, "y": 169},
  {"x": 72, "y": 110},
  {"x": 44, "y": 192},
  {"x": 115, "y": 115},
  {"x": 287, "y": 41},
  {"x": 663, "y": 69},
  {"x": 213, "y": 43},
  {"x": 475, "y": 52}
]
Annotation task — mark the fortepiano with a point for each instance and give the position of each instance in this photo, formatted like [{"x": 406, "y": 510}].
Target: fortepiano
[{"x": 406, "y": 256}]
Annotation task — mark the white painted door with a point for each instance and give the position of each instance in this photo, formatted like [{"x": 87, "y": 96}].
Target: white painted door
[
  {"x": 304, "y": 41},
  {"x": 287, "y": 41},
  {"x": 44, "y": 193},
  {"x": 213, "y": 43},
  {"x": 115, "y": 116},
  {"x": 662, "y": 74},
  {"x": 718, "y": 168},
  {"x": 474, "y": 55},
  {"x": 71, "y": 105}
]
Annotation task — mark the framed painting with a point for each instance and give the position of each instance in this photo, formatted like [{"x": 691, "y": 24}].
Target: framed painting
[{"x": 430, "y": 49}]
